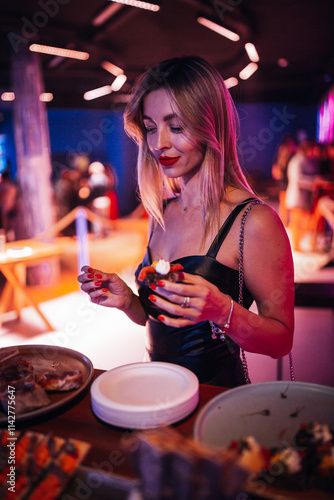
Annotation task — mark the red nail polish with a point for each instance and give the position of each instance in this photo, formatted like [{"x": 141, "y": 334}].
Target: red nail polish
[
  {"x": 105, "y": 289},
  {"x": 152, "y": 285},
  {"x": 98, "y": 276},
  {"x": 90, "y": 276},
  {"x": 98, "y": 283},
  {"x": 152, "y": 298},
  {"x": 161, "y": 283},
  {"x": 90, "y": 270},
  {"x": 161, "y": 318}
]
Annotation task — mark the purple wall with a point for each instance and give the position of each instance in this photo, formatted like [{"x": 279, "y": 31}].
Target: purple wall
[{"x": 100, "y": 134}]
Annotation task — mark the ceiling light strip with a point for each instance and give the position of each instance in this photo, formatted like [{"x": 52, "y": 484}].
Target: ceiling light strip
[
  {"x": 112, "y": 68},
  {"x": 46, "y": 97},
  {"x": 231, "y": 82},
  {"x": 218, "y": 29},
  {"x": 57, "y": 51},
  {"x": 248, "y": 71},
  {"x": 141, "y": 5},
  {"x": 7, "y": 96},
  {"x": 95, "y": 93},
  {"x": 106, "y": 14},
  {"x": 118, "y": 83},
  {"x": 252, "y": 52},
  {"x": 10, "y": 96}
]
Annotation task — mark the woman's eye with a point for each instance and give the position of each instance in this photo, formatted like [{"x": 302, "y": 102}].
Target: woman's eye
[
  {"x": 150, "y": 130},
  {"x": 176, "y": 130}
]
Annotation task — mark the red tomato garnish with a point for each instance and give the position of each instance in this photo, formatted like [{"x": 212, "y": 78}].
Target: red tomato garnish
[
  {"x": 175, "y": 267},
  {"x": 144, "y": 272}
]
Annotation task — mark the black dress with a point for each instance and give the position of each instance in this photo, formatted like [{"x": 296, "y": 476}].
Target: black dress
[{"x": 214, "y": 362}]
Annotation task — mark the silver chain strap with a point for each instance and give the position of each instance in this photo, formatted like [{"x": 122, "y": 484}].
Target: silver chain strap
[
  {"x": 241, "y": 282},
  {"x": 292, "y": 371},
  {"x": 241, "y": 277}
]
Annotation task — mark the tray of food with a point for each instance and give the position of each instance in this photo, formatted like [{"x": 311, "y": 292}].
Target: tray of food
[{"x": 38, "y": 379}]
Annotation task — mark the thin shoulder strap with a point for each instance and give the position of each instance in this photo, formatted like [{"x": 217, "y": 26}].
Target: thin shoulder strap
[{"x": 225, "y": 228}]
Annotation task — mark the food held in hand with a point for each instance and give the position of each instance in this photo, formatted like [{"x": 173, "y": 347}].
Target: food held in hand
[{"x": 160, "y": 270}]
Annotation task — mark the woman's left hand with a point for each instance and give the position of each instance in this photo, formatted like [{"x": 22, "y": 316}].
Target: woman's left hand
[{"x": 193, "y": 300}]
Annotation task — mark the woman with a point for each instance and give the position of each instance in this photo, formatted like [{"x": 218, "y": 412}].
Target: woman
[{"x": 182, "y": 117}]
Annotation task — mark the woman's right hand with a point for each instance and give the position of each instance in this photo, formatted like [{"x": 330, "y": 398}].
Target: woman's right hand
[{"x": 106, "y": 289}]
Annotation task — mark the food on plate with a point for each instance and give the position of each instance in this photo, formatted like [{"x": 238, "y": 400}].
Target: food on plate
[
  {"x": 170, "y": 465},
  {"x": 161, "y": 269},
  {"x": 18, "y": 375},
  {"x": 250, "y": 454},
  {"x": 307, "y": 463},
  {"x": 30, "y": 386},
  {"x": 63, "y": 381},
  {"x": 44, "y": 465}
]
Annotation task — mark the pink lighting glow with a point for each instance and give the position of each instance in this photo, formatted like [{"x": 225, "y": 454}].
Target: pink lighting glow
[
  {"x": 326, "y": 119},
  {"x": 282, "y": 62}
]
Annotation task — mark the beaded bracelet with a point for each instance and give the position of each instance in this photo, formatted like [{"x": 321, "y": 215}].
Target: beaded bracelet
[{"x": 216, "y": 330}]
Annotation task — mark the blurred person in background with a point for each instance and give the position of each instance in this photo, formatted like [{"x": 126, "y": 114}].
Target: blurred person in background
[
  {"x": 279, "y": 171},
  {"x": 325, "y": 208},
  {"x": 302, "y": 173}
]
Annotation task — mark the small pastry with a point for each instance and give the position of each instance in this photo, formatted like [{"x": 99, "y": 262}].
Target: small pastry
[{"x": 159, "y": 270}]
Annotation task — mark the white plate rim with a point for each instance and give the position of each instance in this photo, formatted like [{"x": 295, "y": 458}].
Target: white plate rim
[
  {"x": 188, "y": 394},
  {"x": 231, "y": 393}
]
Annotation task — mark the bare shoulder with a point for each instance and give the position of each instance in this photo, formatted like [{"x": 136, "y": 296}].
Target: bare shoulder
[
  {"x": 262, "y": 216},
  {"x": 264, "y": 227}
]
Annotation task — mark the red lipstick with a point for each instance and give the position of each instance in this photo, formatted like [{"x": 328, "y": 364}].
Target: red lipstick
[{"x": 167, "y": 161}]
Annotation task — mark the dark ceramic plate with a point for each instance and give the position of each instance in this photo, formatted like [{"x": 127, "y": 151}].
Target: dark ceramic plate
[{"x": 52, "y": 358}]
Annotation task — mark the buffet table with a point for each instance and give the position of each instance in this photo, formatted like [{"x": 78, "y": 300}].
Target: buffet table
[
  {"x": 107, "y": 472},
  {"x": 107, "y": 442}
]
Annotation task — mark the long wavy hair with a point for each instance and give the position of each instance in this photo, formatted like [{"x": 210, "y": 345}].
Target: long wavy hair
[{"x": 204, "y": 106}]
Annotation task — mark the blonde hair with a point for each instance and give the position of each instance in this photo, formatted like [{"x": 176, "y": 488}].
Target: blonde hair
[{"x": 204, "y": 106}]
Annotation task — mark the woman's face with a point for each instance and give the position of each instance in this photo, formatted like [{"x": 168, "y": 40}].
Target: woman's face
[{"x": 167, "y": 139}]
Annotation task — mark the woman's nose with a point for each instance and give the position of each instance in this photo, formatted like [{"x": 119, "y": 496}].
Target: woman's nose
[{"x": 163, "y": 140}]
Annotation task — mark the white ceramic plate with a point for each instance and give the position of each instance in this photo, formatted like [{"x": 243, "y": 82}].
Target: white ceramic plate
[
  {"x": 145, "y": 395},
  {"x": 272, "y": 412}
]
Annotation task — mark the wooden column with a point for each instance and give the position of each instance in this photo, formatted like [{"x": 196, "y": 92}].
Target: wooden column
[{"x": 36, "y": 210}]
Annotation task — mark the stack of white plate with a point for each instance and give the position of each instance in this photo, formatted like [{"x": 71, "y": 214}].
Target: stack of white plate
[{"x": 145, "y": 395}]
